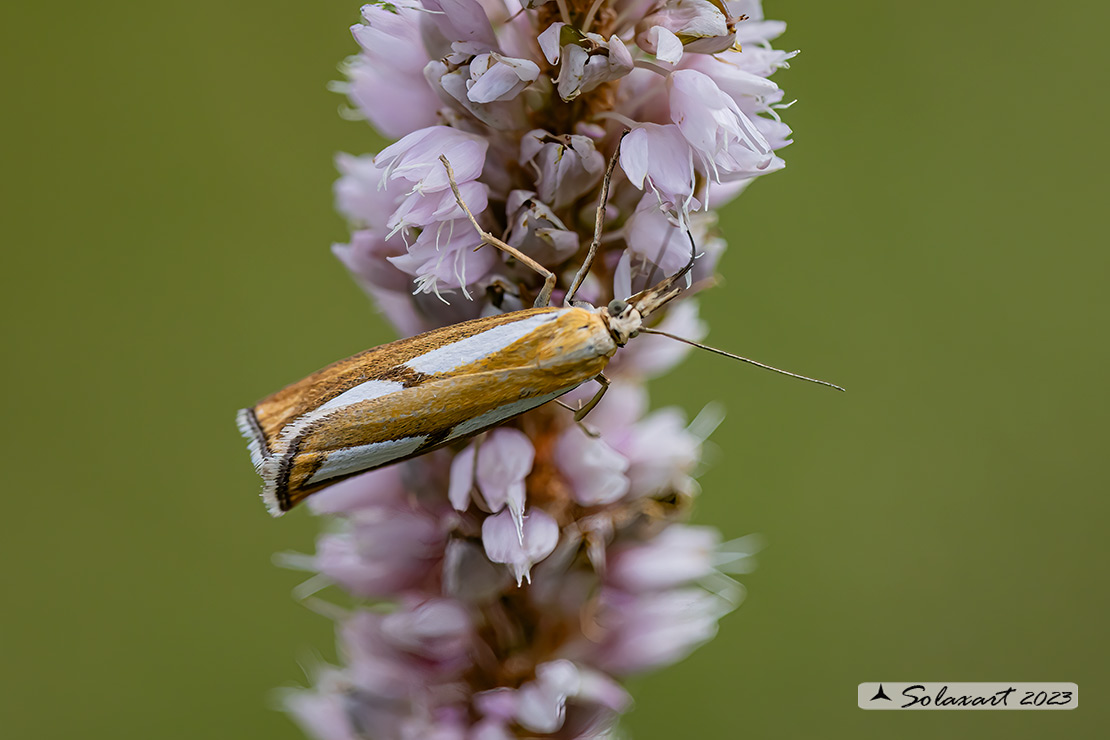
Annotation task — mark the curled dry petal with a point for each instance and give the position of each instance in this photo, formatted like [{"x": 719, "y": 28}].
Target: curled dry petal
[
  {"x": 536, "y": 229},
  {"x": 585, "y": 60},
  {"x": 568, "y": 166}
]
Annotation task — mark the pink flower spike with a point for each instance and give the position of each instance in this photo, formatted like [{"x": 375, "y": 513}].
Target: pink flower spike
[
  {"x": 498, "y": 703},
  {"x": 731, "y": 77},
  {"x": 469, "y": 576},
  {"x": 536, "y": 230},
  {"x": 750, "y": 34},
  {"x": 585, "y": 64},
  {"x": 435, "y": 642},
  {"x": 391, "y": 37},
  {"x": 572, "y": 69},
  {"x": 490, "y": 730},
  {"x": 620, "y": 59},
  {"x": 662, "y": 453},
  {"x": 602, "y": 690},
  {"x": 520, "y": 552}
]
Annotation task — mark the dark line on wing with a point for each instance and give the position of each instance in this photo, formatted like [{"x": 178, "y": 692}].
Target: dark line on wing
[
  {"x": 256, "y": 430},
  {"x": 281, "y": 480},
  {"x": 434, "y": 439},
  {"x": 404, "y": 375}
]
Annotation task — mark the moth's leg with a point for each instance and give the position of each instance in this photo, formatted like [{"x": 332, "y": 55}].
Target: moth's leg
[
  {"x": 599, "y": 219},
  {"x": 582, "y": 410},
  {"x": 593, "y": 433},
  {"x": 544, "y": 298},
  {"x": 474, "y": 465},
  {"x": 580, "y": 414}
]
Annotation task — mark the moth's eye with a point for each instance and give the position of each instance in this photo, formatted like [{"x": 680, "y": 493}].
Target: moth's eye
[{"x": 617, "y": 307}]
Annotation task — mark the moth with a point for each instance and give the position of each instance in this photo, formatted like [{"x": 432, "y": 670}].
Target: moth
[{"x": 409, "y": 397}]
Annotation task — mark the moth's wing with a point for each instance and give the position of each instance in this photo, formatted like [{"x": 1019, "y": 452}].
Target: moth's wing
[
  {"x": 376, "y": 371},
  {"x": 459, "y": 381},
  {"x": 370, "y": 434}
]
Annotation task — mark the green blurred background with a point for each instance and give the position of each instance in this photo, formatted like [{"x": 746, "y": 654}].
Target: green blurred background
[{"x": 937, "y": 244}]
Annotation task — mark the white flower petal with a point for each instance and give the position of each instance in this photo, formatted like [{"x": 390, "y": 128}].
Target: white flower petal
[
  {"x": 520, "y": 552},
  {"x": 549, "y": 42},
  {"x": 462, "y": 479}
]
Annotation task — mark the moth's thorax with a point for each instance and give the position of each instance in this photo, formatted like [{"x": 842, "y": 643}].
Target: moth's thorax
[{"x": 623, "y": 323}]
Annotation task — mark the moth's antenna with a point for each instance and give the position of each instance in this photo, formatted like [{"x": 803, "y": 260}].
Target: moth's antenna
[
  {"x": 738, "y": 357},
  {"x": 649, "y": 300},
  {"x": 599, "y": 220}
]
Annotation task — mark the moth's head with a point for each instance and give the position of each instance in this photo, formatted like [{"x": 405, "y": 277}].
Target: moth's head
[{"x": 623, "y": 320}]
